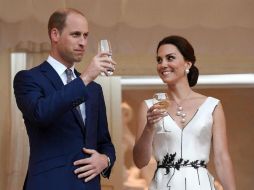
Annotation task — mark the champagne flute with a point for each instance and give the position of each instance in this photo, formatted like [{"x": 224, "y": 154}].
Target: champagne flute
[
  {"x": 162, "y": 101},
  {"x": 105, "y": 46}
]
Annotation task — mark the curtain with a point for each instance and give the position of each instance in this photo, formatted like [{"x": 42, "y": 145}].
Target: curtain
[{"x": 220, "y": 31}]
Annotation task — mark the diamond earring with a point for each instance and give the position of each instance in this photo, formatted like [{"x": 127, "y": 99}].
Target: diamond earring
[{"x": 187, "y": 71}]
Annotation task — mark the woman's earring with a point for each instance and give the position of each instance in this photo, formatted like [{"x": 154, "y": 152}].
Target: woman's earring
[{"x": 187, "y": 71}]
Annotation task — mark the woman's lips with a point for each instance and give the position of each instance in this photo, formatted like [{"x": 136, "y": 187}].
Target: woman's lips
[{"x": 166, "y": 72}]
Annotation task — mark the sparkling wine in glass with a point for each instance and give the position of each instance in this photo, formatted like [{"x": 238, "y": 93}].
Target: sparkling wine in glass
[
  {"x": 162, "y": 101},
  {"x": 105, "y": 46}
]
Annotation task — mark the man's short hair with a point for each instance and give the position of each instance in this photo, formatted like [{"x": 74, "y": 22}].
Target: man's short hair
[{"x": 58, "y": 18}]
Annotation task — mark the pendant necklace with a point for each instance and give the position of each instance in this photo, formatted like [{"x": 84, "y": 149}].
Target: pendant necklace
[{"x": 180, "y": 111}]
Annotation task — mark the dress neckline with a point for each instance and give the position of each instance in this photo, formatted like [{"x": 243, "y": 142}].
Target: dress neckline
[{"x": 193, "y": 116}]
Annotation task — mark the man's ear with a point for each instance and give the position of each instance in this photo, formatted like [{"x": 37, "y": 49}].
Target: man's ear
[{"x": 54, "y": 35}]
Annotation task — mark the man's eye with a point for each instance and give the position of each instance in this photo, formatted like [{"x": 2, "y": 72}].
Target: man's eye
[
  {"x": 85, "y": 35},
  {"x": 75, "y": 34}
]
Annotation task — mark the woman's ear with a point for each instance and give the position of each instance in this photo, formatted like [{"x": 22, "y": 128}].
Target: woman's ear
[{"x": 188, "y": 64}]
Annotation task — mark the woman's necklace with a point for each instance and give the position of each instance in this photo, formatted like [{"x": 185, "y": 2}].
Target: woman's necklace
[{"x": 180, "y": 111}]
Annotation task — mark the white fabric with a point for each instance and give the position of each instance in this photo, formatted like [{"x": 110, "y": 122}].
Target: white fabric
[
  {"x": 191, "y": 143},
  {"x": 60, "y": 69}
]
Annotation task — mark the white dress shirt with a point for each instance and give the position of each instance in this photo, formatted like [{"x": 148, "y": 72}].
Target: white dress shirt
[{"x": 60, "y": 69}]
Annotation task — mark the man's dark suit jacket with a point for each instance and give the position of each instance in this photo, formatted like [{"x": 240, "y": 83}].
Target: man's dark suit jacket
[{"x": 56, "y": 131}]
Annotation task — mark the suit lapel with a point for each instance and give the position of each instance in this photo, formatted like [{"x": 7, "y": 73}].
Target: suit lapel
[
  {"x": 77, "y": 114},
  {"x": 56, "y": 81},
  {"x": 90, "y": 109},
  {"x": 80, "y": 120},
  {"x": 52, "y": 75}
]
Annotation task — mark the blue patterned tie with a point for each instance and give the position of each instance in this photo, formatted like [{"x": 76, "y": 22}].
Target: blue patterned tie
[{"x": 68, "y": 75}]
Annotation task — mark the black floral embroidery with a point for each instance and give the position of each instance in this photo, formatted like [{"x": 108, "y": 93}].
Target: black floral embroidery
[{"x": 169, "y": 161}]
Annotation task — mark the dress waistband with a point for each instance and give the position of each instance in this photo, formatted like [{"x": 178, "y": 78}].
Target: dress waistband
[{"x": 169, "y": 161}]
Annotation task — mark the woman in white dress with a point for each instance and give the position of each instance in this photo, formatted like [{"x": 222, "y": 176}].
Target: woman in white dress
[{"x": 191, "y": 124}]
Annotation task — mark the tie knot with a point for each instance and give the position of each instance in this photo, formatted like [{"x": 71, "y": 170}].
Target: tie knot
[{"x": 68, "y": 75}]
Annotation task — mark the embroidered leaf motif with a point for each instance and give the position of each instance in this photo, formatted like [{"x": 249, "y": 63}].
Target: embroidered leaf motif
[
  {"x": 202, "y": 163},
  {"x": 185, "y": 162},
  {"x": 169, "y": 161}
]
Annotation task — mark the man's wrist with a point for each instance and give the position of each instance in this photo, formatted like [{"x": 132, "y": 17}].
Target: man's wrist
[
  {"x": 104, "y": 172},
  {"x": 85, "y": 79}
]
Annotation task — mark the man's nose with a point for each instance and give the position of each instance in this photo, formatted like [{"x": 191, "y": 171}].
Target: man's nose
[{"x": 82, "y": 41}]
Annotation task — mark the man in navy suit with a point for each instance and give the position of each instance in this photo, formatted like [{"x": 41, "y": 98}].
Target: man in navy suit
[{"x": 64, "y": 112}]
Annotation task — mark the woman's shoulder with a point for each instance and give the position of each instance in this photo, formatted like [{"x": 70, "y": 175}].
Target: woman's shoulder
[
  {"x": 205, "y": 100},
  {"x": 203, "y": 97}
]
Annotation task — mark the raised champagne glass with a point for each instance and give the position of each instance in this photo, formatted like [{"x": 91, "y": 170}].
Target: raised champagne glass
[
  {"x": 104, "y": 46},
  {"x": 162, "y": 101}
]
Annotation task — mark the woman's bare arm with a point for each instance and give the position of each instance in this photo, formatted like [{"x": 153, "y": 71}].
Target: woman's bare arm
[
  {"x": 147, "y": 118},
  {"x": 223, "y": 163}
]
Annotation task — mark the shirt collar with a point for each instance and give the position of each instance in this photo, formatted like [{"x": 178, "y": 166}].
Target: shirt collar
[{"x": 58, "y": 66}]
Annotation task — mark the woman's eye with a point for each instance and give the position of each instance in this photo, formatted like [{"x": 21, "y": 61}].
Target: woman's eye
[
  {"x": 170, "y": 58},
  {"x": 159, "y": 60}
]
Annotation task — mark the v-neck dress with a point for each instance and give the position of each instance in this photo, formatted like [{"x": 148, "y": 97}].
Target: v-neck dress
[{"x": 182, "y": 154}]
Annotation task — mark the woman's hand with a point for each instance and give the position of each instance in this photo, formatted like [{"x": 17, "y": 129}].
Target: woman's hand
[{"x": 154, "y": 115}]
